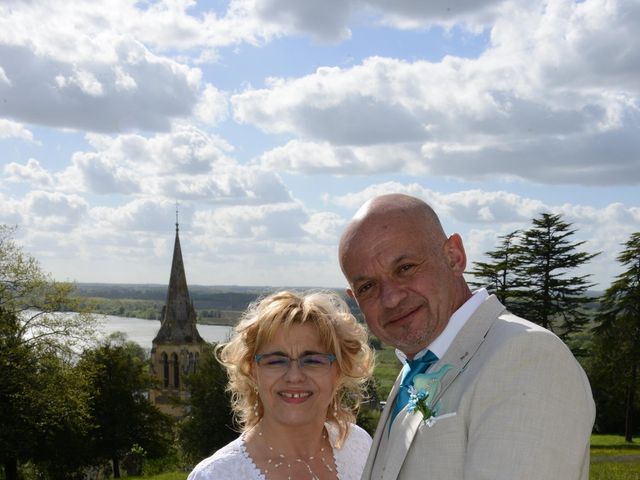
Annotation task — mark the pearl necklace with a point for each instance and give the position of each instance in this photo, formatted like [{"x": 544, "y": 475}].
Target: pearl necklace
[{"x": 281, "y": 460}]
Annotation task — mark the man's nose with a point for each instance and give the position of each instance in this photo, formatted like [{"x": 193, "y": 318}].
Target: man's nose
[{"x": 391, "y": 293}]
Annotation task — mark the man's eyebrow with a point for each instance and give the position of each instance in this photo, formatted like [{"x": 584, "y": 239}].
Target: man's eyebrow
[{"x": 399, "y": 259}]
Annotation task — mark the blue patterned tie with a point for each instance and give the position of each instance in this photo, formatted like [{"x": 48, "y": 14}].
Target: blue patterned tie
[{"x": 409, "y": 371}]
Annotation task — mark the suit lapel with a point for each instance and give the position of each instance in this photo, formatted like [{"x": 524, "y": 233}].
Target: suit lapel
[
  {"x": 382, "y": 429},
  {"x": 458, "y": 355},
  {"x": 468, "y": 341}
]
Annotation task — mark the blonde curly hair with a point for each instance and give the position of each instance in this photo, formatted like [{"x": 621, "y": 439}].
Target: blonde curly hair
[{"x": 338, "y": 331}]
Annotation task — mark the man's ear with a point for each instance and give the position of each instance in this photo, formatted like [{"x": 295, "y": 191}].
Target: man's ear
[
  {"x": 350, "y": 293},
  {"x": 454, "y": 250}
]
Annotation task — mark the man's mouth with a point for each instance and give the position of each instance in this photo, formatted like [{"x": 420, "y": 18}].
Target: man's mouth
[{"x": 403, "y": 316}]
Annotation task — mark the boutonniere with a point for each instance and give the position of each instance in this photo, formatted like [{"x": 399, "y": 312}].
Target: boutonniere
[{"x": 423, "y": 392}]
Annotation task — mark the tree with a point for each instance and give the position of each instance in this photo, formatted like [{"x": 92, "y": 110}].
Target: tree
[
  {"x": 39, "y": 304},
  {"x": 121, "y": 413},
  {"x": 619, "y": 329},
  {"x": 499, "y": 276},
  {"x": 546, "y": 294},
  {"x": 43, "y": 400},
  {"x": 208, "y": 426}
]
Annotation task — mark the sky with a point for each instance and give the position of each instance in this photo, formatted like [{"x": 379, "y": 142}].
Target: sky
[{"x": 269, "y": 122}]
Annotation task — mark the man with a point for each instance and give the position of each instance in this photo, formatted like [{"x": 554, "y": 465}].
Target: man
[{"x": 508, "y": 399}]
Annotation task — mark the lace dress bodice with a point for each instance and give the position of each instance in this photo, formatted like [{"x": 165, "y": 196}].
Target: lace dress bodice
[{"x": 233, "y": 462}]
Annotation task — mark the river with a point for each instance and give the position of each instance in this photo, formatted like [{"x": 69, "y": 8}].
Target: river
[{"x": 144, "y": 331}]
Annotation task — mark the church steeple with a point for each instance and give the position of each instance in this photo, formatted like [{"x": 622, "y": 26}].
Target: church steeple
[
  {"x": 177, "y": 347},
  {"x": 178, "y": 324}
]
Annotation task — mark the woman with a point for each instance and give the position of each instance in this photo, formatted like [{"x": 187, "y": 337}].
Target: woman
[{"x": 297, "y": 365}]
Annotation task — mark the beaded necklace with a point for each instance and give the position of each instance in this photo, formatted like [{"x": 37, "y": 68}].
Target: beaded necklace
[{"x": 281, "y": 460}]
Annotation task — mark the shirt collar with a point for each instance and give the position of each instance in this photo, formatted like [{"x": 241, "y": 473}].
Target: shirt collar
[{"x": 442, "y": 343}]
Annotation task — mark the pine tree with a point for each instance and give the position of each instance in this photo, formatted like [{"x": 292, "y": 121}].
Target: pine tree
[
  {"x": 499, "y": 276},
  {"x": 619, "y": 327},
  {"x": 546, "y": 293}
]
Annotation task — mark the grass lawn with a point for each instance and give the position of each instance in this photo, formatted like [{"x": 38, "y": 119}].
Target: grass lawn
[
  {"x": 165, "y": 476},
  {"x": 387, "y": 368},
  {"x": 608, "y": 461},
  {"x": 614, "y": 459}
]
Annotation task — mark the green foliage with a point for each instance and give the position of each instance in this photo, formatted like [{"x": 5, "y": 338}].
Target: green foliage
[
  {"x": 209, "y": 424},
  {"x": 43, "y": 398},
  {"x": 530, "y": 274},
  {"x": 499, "y": 276},
  {"x": 548, "y": 295},
  {"x": 616, "y": 347},
  {"x": 121, "y": 413},
  {"x": 368, "y": 419}
]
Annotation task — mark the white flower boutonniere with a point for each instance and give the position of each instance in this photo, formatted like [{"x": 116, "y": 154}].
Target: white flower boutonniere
[{"x": 423, "y": 392}]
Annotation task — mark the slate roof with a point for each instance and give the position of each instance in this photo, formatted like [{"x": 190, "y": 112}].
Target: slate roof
[{"x": 178, "y": 323}]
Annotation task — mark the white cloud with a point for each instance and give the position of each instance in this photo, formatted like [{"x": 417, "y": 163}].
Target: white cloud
[
  {"x": 249, "y": 223},
  {"x": 31, "y": 172},
  {"x": 3, "y": 77},
  {"x": 537, "y": 104},
  {"x": 53, "y": 210},
  {"x": 144, "y": 216},
  {"x": 97, "y": 96},
  {"x": 212, "y": 107},
  {"x": 184, "y": 164},
  {"x": 9, "y": 129}
]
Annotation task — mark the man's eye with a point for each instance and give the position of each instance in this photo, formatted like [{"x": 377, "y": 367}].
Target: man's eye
[
  {"x": 406, "y": 267},
  {"x": 364, "y": 288}
]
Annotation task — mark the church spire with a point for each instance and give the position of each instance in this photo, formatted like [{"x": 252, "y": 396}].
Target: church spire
[{"x": 178, "y": 323}]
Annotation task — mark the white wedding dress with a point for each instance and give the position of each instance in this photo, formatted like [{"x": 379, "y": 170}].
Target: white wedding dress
[{"x": 232, "y": 462}]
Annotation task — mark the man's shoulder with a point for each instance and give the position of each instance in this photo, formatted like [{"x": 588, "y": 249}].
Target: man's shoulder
[{"x": 517, "y": 332}]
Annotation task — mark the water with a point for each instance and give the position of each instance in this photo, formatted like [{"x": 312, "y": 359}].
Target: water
[{"x": 144, "y": 331}]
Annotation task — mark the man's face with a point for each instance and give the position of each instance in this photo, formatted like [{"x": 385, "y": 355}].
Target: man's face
[{"x": 405, "y": 280}]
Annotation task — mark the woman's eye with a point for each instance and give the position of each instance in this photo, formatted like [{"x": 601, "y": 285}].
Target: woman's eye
[{"x": 277, "y": 361}]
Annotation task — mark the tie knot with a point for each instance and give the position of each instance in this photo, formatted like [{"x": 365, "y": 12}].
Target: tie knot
[{"x": 423, "y": 363}]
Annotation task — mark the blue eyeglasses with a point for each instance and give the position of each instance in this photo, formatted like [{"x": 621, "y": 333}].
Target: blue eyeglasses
[{"x": 309, "y": 362}]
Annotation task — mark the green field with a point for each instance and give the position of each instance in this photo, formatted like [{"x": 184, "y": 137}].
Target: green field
[
  {"x": 611, "y": 459},
  {"x": 614, "y": 459}
]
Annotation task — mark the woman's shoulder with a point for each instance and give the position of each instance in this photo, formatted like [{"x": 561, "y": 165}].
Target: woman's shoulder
[
  {"x": 351, "y": 458},
  {"x": 358, "y": 435},
  {"x": 225, "y": 463}
]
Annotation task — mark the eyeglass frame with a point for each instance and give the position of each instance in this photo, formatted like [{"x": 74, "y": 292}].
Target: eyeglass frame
[{"x": 332, "y": 358}]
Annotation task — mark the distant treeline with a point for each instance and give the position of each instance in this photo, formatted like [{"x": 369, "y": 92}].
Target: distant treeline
[{"x": 146, "y": 300}]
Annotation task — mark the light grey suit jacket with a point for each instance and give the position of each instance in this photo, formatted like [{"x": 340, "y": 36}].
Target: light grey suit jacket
[{"x": 515, "y": 405}]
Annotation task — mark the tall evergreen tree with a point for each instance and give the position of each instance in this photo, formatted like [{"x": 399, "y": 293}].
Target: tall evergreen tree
[
  {"x": 619, "y": 328},
  {"x": 499, "y": 276},
  {"x": 209, "y": 424},
  {"x": 547, "y": 293}
]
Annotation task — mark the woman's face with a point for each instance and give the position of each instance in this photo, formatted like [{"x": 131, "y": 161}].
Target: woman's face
[{"x": 293, "y": 395}]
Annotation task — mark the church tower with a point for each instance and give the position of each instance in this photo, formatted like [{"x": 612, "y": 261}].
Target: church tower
[{"x": 176, "y": 348}]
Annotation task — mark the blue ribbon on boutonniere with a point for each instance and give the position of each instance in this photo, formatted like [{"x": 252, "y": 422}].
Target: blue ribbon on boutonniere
[{"x": 424, "y": 392}]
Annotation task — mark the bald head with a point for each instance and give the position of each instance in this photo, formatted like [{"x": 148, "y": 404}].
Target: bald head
[
  {"x": 403, "y": 271},
  {"x": 380, "y": 211}
]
